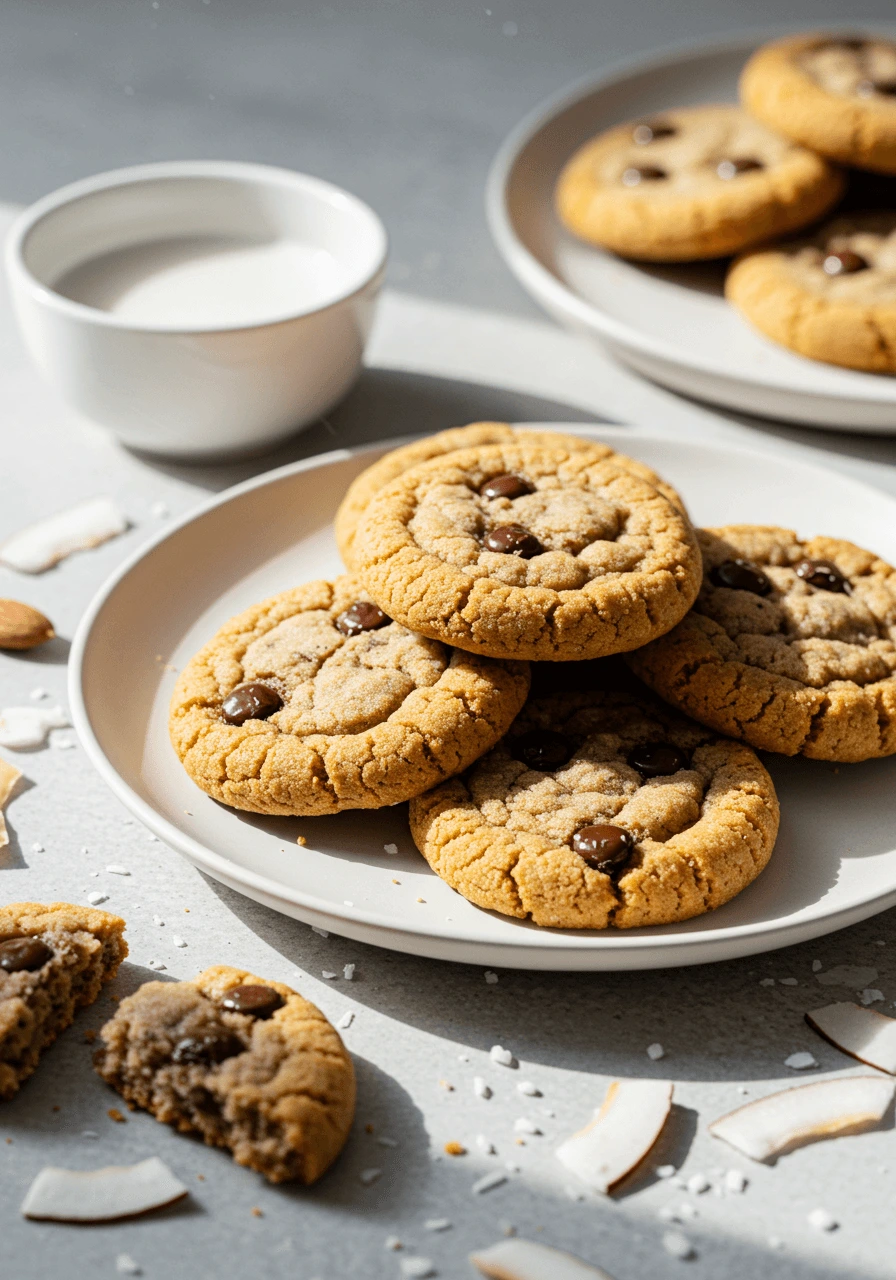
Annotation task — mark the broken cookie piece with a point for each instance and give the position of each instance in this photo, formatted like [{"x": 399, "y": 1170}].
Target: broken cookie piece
[
  {"x": 54, "y": 960},
  {"x": 246, "y": 1064}
]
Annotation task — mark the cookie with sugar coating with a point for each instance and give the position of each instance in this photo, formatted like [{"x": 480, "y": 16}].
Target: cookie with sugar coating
[
  {"x": 397, "y": 461},
  {"x": 528, "y": 551},
  {"x": 315, "y": 701},
  {"x": 833, "y": 93},
  {"x": 692, "y": 183},
  {"x": 790, "y": 647},
  {"x": 601, "y": 808}
]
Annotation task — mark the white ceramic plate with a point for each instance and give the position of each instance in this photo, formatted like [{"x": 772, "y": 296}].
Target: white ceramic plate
[
  {"x": 669, "y": 322},
  {"x": 835, "y": 862}
]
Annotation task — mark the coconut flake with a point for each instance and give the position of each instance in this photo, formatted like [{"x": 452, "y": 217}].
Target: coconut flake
[
  {"x": 871, "y": 995},
  {"x": 678, "y": 1245},
  {"x": 126, "y": 1266},
  {"x": 23, "y": 728},
  {"x": 9, "y": 778},
  {"x": 102, "y": 1195},
  {"x": 847, "y": 975},
  {"x": 416, "y": 1267},
  {"x": 503, "y": 1057},
  {"x": 524, "y": 1260},
  {"x": 801, "y": 1061},
  {"x": 346, "y": 1020},
  {"x": 862, "y": 1033},
  {"x": 821, "y": 1220},
  {"x": 487, "y": 1182},
  {"x": 620, "y": 1135},
  {"x": 783, "y": 1121},
  {"x": 44, "y": 544}
]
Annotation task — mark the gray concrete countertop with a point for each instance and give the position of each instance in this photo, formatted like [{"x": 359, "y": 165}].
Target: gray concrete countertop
[{"x": 404, "y": 103}]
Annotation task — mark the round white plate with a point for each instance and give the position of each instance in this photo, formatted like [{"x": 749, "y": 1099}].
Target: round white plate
[
  {"x": 669, "y": 322},
  {"x": 835, "y": 862}
]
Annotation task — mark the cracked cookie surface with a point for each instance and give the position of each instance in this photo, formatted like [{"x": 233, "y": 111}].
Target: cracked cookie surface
[
  {"x": 352, "y": 721},
  {"x": 692, "y": 183},
  {"x": 603, "y": 562},
  {"x": 502, "y": 834},
  {"x": 274, "y": 1085},
  {"x": 832, "y": 93},
  {"x": 800, "y": 668},
  {"x": 54, "y": 960},
  {"x": 397, "y": 461},
  {"x": 830, "y": 296}
]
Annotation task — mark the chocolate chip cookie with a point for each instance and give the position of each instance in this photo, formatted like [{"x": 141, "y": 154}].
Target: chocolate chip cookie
[
  {"x": 601, "y": 808},
  {"x": 397, "y": 461},
  {"x": 244, "y": 1063},
  {"x": 315, "y": 701},
  {"x": 54, "y": 959},
  {"x": 833, "y": 93},
  {"x": 791, "y": 645},
  {"x": 692, "y": 183},
  {"x": 528, "y": 551},
  {"x": 830, "y": 296}
]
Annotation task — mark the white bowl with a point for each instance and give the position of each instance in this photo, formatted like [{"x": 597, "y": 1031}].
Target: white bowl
[{"x": 198, "y": 308}]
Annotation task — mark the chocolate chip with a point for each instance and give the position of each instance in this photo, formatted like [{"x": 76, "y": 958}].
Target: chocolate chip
[
  {"x": 728, "y": 169},
  {"x": 255, "y": 701},
  {"x": 19, "y": 954},
  {"x": 651, "y": 130},
  {"x": 542, "y": 749},
  {"x": 254, "y": 999},
  {"x": 513, "y": 540},
  {"x": 361, "y": 616},
  {"x": 740, "y": 575},
  {"x": 604, "y": 847},
  {"x": 824, "y": 575},
  {"x": 657, "y": 759},
  {"x": 853, "y": 43},
  {"x": 843, "y": 263},
  {"x": 635, "y": 174},
  {"x": 213, "y": 1046},
  {"x": 868, "y": 88},
  {"x": 506, "y": 486}
]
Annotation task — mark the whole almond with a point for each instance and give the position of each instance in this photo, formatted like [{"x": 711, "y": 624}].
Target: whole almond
[{"x": 22, "y": 627}]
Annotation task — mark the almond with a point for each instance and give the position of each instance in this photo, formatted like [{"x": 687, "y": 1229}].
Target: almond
[{"x": 22, "y": 627}]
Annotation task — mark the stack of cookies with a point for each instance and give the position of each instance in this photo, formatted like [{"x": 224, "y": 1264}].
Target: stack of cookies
[
  {"x": 713, "y": 181},
  {"x": 469, "y": 662}
]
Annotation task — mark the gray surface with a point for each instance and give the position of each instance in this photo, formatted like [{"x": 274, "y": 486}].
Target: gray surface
[{"x": 404, "y": 103}]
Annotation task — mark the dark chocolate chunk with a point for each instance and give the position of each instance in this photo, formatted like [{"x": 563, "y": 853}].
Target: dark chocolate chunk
[
  {"x": 542, "y": 749},
  {"x": 635, "y": 174},
  {"x": 728, "y": 169},
  {"x": 213, "y": 1046},
  {"x": 740, "y": 575},
  {"x": 824, "y": 575},
  {"x": 361, "y": 616},
  {"x": 604, "y": 847},
  {"x": 254, "y": 999},
  {"x": 255, "y": 701},
  {"x": 506, "y": 486},
  {"x": 657, "y": 759},
  {"x": 513, "y": 540},
  {"x": 844, "y": 263},
  {"x": 19, "y": 954},
  {"x": 651, "y": 130}
]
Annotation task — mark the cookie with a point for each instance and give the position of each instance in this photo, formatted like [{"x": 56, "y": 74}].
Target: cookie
[
  {"x": 601, "y": 808},
  {"x": 691, "y": 183},
  {"x": 244, "y": 1063},
  {"x": 791, "y": 645},
  {"x": 54, "y": 960},
  {"x": 528, "y": 551},
  {"x": 314, "y": 701},
  {"x": 830, "y": 296},
  {"x": 397, "y": 461},
  {"x": 835, "y": 94}
]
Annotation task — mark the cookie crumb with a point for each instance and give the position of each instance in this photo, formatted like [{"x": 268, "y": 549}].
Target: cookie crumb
[
  {"x": 256, "y": 1212},
  {"x": 455, "y": 1149},
  {"x": 446, "y": 1084},
  {"x": 393, "y": 1243},
  {"x": 114, "y": 1114},
  {"x": 90, "y": 1036},
  {"x": 301, "y": 840}
]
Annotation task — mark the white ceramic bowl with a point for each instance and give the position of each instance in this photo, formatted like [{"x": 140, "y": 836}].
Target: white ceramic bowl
[{"x": 305, "y": 259}]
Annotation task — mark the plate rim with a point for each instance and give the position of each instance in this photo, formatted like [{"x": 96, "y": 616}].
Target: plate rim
[
  {"x": 553, "y": 293},
  {"x": 568, "y": 946}
]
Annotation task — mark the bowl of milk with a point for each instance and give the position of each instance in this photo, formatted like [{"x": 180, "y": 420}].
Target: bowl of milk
[{"x": 198, "y": 309}]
